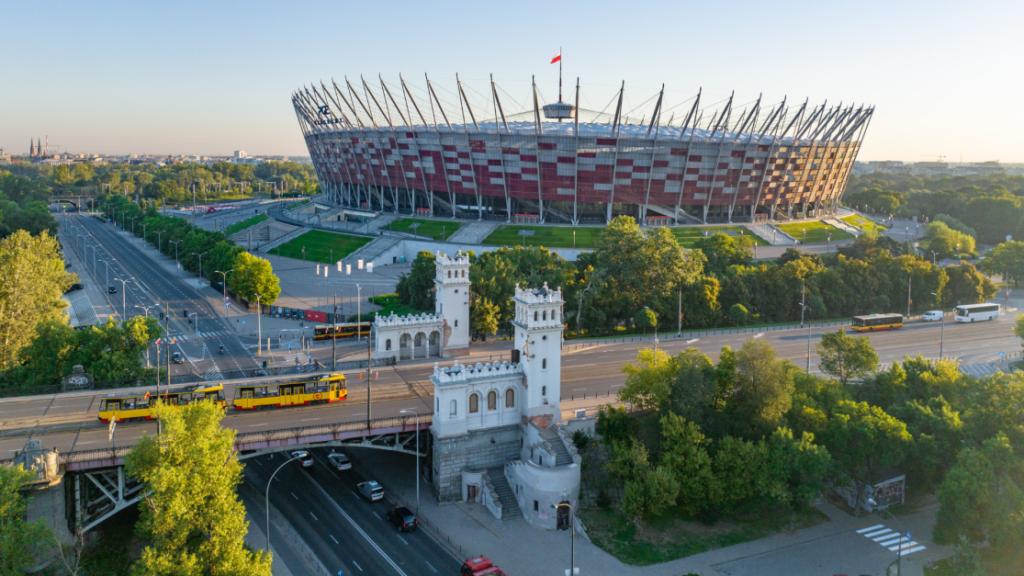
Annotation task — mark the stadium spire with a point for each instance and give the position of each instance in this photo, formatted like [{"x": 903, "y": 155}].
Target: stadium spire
[{"x": 559, "y": 60}]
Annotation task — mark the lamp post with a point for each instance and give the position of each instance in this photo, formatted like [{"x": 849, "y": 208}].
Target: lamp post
[
  {"x": 572, "y": 527},
  {"x": 159, "y": 239},
  {"x": 124, "y": 304},
  {"x": 942, "y": 330},
  {"x": 107, "y": 275},
  {"x": 413, "y": 412},
  {"x": 933, "y": 256},
  {"x": 200, "y": 261},
  {"x": 195, "y": 327},
  {"x": 899, "y": 552},
  {"x": 175, "y": 242},
  {"x": 146, "y": 308},
  {"x": 267, "y": 500},
  {"x": 224, "y": 285},
  {"x": 259, "y": 327},
  {"x": 810, "y": 319},
  {"x": 133, "y": 223}
]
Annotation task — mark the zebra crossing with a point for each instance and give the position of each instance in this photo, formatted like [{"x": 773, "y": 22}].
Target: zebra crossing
[
  {"x": 891, "y": 539},
  {"x": 182, "y": 338}
]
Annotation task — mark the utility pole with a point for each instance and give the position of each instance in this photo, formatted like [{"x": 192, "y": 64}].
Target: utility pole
[
  {"x": 910, "y": 282},
  {"x": 368, "y": 362},
  {"x": 680, "y": 329},
  {"x": 334, "y": 336},
  {"x": 803, "y": 300},
  {"x": 167, "y": 353}
]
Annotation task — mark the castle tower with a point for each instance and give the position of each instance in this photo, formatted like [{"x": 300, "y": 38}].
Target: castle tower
[
  {"x": 538, "y": 328},
  {"x": 452, "y": 301}
]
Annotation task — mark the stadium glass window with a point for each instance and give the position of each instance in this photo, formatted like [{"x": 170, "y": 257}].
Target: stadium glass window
[
  {"x": 474, "y": 403},
  {"x": 510, "y": 398},
  {"x": 492, "y": 400}
]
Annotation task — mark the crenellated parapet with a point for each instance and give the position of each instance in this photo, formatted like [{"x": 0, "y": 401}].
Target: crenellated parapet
[{"x": 457, "y": 373}]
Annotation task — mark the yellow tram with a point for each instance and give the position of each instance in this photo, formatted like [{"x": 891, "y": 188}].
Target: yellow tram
[
  {"x": 298, "y": 392},
  {"x": 121, "y": 407}
]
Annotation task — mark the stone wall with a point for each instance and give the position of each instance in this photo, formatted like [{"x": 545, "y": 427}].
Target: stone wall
[{"x": 473, "y": 450}]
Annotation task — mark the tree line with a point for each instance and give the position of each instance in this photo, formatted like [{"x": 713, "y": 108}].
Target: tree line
[
  {"x": 635, "y": 278},
  {"x": 753, "y": 433},
  {"x": 173, "y": 183}
]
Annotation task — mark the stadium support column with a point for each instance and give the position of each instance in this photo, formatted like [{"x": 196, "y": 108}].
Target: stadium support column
[
  {"x": 615, "y": 134},
  {"x": 723, "y": 123},
  {"x": 472, "y": 168},
  {"x": 537, "y": 134},
  {"x": 501, "y": 150},
  {"x": 752, "y": 121},
  {"x": 781, "y": 113},
  {"x": 686, "y": 161},
  {"x": 655, "y": 121}
]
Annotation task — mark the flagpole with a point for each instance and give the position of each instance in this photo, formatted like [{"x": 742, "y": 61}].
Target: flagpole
[{"x": 559, "y": 74}]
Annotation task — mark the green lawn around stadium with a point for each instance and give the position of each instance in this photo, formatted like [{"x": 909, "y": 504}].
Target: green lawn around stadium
[
  {"x": 862, "y": 223},
  {"x": 247, "y": 223},
  {"x": 816, "y": 231},
  {"x": 325, "y": 247},
  {"x": 587, "y": 236},
  {"x": 435, "y": 229}
]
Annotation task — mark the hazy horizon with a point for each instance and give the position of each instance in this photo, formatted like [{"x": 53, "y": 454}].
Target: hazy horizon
[{"x": 198, "y": 79}]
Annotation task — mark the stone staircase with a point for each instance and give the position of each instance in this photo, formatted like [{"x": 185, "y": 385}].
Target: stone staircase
[
  {"x": 562, "y": 456},
  {"x": 375, "y": 249},
  {"x": 509, "y": 505}
]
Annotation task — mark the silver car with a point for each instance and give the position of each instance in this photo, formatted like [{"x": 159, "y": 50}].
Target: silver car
[{"x": 932, "y": 316}]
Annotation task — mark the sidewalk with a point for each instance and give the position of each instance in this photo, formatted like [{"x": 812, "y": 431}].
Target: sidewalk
[{"x": 95, "y": 290}]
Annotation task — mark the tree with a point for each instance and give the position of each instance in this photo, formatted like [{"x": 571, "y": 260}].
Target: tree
[
  {"x": 484, "y": 316},
  {"x": 686, "y": 456},
  {"x": 966, "y": 285},
  {"x": 846, "y": 358},
  {"x": 723, "y": 251},
  {"x": 982, "y": 498},
  {"x": 192, "y": 518},
  {"x": 700, "y": 302},
  {"x": 645, "y": 319},
  {"x": 32, "y": 280},
  {"x": 965, "y": 560},
  {"x": 1018, "y": 326},
  {"x": 416, "y": 289},
  {"x": 1006, "y": 259},
  {"x": 254, "y": 276},
  {"x": 649, "y": 494},
  {"x": 62, "y": 176},
  {"x": 864, "y": 440},
  {"x": 763, "y": 389},
  {"x": 647, "y": 381},
  {"x": 50, "y": 356},
  {"x": 19, "y": 540},
  {"x": 738, "y": 314},
  {"x": 694, "y": 393}
]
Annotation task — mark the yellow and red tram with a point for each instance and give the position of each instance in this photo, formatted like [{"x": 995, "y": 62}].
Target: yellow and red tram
[
  {"x": 298, "y": 392},
  {"x": 141, "y": 405}
]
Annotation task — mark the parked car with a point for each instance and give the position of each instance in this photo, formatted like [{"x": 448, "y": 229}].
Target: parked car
[
  {"x": 932, "y": 316},
  {"x": 480, "y": 566},
  {"x": 371, "y": 490},
  {"x": 340, "y": 461},
  {"x": 303, "y": 458},
  {"x": 111, "y": 289},
  {"x": 403, "y": 519},
  {"x": 178, "y": 358}
]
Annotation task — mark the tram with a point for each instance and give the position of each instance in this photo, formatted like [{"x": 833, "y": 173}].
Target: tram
[
  {"x": 341, "y": 331},
  {"x": 298, "y": 392},
  {"x": 140, "y": 406}
]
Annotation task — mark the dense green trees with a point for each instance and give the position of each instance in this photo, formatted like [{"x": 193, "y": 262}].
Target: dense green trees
[
  {"x": 32, "y": 280},
  {"x": 846, "y": 358},
  {"x": 19, "y": 540},
  {"x": 416, "y": 289},
  {"x": 192, "y": 520},
  {"x": 254, "y": 276}
]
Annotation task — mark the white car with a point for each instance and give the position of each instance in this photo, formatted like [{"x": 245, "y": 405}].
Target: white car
[
  {"x": 340, "y": 460},
  {"x": 303, "y": 457},
  {"x": 932, "y": 316}
]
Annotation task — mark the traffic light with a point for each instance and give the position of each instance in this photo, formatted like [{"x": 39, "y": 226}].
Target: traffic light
[{"x": 184, "y": 313}]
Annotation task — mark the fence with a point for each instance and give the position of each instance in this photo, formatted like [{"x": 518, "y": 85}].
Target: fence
[{"x": 714, "y": 332}]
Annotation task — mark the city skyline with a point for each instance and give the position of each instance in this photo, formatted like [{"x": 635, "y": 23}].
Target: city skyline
[{"x": 208, "y": 80}]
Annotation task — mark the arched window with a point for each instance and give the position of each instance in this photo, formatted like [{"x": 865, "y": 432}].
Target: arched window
[
  {"x": 387, "y": 344},
  {"x": 544, "y": 316},
  {"x": 449, "y": 273},
  {"x": 544, "y": 363},
  {"x": 454, "y": 408},
  {"x": 474, "y": 403},
  {"x": 543, "y": 390},
  {"x": 534, "y": 315},
  {"x": 463, "y": 273},
  {"x": 438, "y": 409},
  {"x": 492, "y": 400},
  {"x": 456, "y": 323},
  {"x": 510, "y": 398}
]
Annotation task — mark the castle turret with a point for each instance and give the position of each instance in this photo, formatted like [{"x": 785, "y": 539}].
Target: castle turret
[
  {"x": 538, "y": 328},
  {"x": 452, "y": 301}
]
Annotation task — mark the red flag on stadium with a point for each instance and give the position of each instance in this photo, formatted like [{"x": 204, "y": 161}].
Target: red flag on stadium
[{"x": 557, "y": 58}]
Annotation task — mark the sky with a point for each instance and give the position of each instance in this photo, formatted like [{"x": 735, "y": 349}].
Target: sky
[{"x": 211, "y": 77}]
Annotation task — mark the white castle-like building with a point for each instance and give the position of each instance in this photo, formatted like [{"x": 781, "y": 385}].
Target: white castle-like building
[{"x": 496, "y": 438}]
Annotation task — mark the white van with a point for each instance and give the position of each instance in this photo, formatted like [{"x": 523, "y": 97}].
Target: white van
[{"x": 976, "y": 312}]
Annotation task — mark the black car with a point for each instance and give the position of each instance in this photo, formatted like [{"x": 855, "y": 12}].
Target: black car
[
  {"x": 111, "y": 289},
  {"x": 403, "y": 519},
  {"x": 177, "y": 358}
]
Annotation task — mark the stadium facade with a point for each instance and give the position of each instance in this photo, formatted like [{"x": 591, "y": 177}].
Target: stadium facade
[{"x": 384, "y": 149}]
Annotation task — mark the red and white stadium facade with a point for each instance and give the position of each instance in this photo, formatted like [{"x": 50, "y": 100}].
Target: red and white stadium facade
[{"x": 381, "y": 148}]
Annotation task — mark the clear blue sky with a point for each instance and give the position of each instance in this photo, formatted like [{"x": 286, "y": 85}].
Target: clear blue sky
[{"x": 211, "y": 77}]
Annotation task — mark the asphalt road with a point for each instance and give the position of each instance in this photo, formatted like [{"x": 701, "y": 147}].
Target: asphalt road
[
  {"x": 346, "y": 532},
  {"x": 150, "y": 283},
  {"x": 596, "y": 371}
]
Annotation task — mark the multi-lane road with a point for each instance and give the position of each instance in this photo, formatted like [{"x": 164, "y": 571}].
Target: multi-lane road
[
  {"x": 347, "y": 533},
  {"x": 111, "y": 253}
]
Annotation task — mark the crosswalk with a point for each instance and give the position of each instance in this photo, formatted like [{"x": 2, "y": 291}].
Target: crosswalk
[
  {"x": 891, "y": 539},
  {"x": 181, "y": 338}
]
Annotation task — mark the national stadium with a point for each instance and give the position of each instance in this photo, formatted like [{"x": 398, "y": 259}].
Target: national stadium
[{"x": 477, "y": 152}]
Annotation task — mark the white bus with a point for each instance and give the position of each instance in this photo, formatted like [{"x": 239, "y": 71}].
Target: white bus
[{"x": 976, "y": 312}]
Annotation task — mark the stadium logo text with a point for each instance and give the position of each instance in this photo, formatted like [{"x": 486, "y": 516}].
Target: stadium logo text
[{"x": 325, "y": 111}]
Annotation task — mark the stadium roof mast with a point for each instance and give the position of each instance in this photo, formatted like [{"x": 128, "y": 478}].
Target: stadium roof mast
[{"x": 559, "y": 110}]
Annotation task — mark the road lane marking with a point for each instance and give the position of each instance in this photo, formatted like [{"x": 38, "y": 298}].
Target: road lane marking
[
  {"x": 335, "y": 541},
  {"x": 901, "y": 539},
  {"x": 358, "y": 566},
  {"x": 912, "y": 550},
  {"x": 869, "y": 529},
  {"x": 885, "y": 537},
  {"x": 309, "y": 419},
  {"x": 378, "y": 516},
  {"x": 89, "y": 442},
  {"x": 293, "y": 495},
  {"x": 314, "y": 516},
  {"x": 260, "y": 424},
  {"x": 356, "y": 526},
  {"x": 403, "y": 539},
  {"x": 429, "y": 566},
  {"x": 692, "y": 341}
]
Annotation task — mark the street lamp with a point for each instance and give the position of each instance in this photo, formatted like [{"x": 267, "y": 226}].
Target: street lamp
[
  {"x": 899, "y": 551},
  {"x": 267, "y": 500},
  {"x": 413, "y": 412},
  {"x": 200, "y": 261},
  {"x": 572, "y": 528},
  {"x": 159, "y": 239},
  {"x": 810, "y": 319},
  {"x": 133, "y": 223},
  {"x": 124, "y": 304},
  {"x": 175, "y": 242},
  {"x": 106, "y": 276},
  {"x": 195, "y": 327},
  {"x": 942, "y": 331},
  {"x": 933, "y": 256}
]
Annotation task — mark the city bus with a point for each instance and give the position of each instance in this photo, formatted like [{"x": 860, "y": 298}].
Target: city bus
[
  {"x": 874, "y": 322},
  {"x": 341, "y": 331},
  {"x": 976, "y": 312}
]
